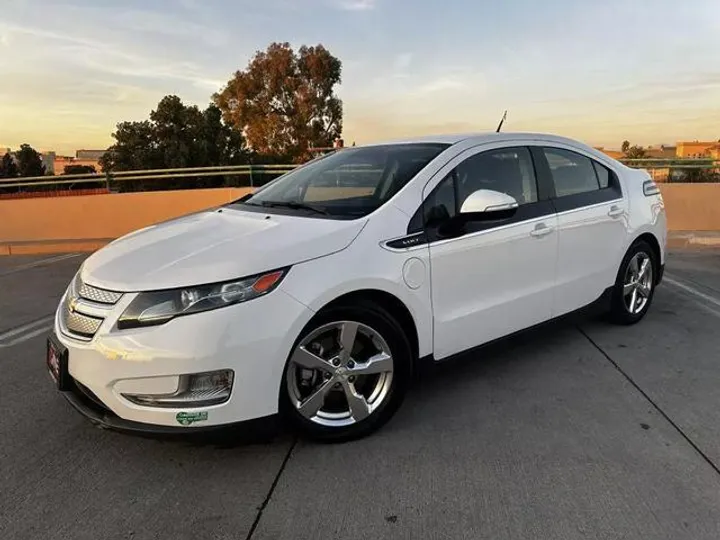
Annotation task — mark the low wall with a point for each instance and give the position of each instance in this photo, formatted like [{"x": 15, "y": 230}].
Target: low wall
[
  {"x": 85, "y": 223},
  {"x": 692, "y": 207}
]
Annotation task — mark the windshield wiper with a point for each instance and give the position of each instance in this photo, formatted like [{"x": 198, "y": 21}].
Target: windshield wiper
[{"x": 294, "y": 206}]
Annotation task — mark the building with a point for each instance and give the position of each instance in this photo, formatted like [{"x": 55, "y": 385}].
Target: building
[
  {"x": 63, "y": 161},
  {"x": 48, "y": 161},
  {"x": 714, "y": 151},
  {"x": 661, "y": 152},
  {"x": 93, "y": 155},
  {"x": 82, "y": 158},
  {"x": 694, "y": 149}
]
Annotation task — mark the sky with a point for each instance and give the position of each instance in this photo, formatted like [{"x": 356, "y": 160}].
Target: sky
[{"x": 599, "y": 71}]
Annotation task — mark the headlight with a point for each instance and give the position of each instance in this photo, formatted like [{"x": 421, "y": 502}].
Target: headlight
[{"x": 158, "y": 307}]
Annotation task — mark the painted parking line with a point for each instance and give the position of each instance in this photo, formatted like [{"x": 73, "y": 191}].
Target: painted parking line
[
  {"x": 26, "y": 332},
  {"x": 41, "y": 262},
  {"x": 708, "y": 302}
]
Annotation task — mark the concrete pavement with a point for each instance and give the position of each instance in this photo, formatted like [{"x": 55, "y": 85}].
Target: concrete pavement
[{"x": 574, "y": 431}]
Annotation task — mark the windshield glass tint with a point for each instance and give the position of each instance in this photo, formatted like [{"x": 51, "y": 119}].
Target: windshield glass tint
[{"x": 349, "y": 183}]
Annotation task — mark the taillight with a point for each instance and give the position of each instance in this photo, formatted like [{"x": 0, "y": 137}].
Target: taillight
[{"x": 650, "y": 188}]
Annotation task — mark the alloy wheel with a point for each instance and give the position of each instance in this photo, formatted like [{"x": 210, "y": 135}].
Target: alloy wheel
[
  {"x": 638, "y": 283},
  {"x": 340, "y": 373}
]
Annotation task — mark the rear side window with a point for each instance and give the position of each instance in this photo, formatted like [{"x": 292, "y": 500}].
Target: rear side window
[
  {"x": 603, "y": 174},
  {"x": 572, "y": 173}
]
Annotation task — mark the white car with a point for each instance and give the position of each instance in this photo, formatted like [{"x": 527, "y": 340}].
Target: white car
[{"x": 316, "y": 296}]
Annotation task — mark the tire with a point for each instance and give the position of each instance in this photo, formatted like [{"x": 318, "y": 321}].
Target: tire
[
  {"x": 621, "y": 302},
  {"x": 381, "y": 393}
]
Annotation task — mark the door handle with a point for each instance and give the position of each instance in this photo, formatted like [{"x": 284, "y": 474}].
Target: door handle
[
  {"x": 615, "y": 211},
  {"x": 541, "y": 230}
]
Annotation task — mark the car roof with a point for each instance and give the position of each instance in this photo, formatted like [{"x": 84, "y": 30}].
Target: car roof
[{"x": 479, "y": 138}]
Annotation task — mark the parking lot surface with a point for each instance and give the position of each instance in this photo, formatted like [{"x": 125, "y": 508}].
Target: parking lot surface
[{"x": 578, "y": 430}]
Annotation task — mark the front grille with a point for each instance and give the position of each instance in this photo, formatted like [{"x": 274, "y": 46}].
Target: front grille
[
  {"x": 85, "y": 308},
  {"x": 81, "y": 324},
  {"x": 98, "y": 295}
]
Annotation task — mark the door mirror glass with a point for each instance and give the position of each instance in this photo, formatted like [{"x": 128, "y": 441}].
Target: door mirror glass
[{"x": 489, "y": 203}]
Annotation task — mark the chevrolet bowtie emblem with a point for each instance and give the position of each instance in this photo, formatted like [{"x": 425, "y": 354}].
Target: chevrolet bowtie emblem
[{"x": 73, "y": 304}]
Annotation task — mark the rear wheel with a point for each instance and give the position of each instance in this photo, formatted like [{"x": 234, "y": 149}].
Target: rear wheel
[
  {"x": 635, "y": 285},
  {"x": 347, "y": 374}
]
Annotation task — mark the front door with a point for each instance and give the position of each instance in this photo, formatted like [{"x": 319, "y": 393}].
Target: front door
[{"x": 493, "y": 277}]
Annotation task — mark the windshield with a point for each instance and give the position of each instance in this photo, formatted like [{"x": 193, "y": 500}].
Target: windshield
[{"x": 349, "y": 183}]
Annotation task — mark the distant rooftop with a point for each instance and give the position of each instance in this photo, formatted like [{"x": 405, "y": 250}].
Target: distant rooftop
[{"x": 89, "y": 154}]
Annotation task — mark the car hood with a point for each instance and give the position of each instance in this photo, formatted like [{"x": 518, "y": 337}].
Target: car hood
[{"x": 213, "y": 246}]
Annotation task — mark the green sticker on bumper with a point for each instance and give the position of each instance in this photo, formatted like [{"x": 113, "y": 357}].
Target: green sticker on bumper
[{"x": 187, "y": 418}]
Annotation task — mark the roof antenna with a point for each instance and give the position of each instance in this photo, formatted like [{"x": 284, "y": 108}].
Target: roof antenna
[{"x": 501, "y": 122}]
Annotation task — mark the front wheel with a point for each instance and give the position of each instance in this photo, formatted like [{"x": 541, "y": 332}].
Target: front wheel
[
  {"x": 347, "y": 374},
  {"x": 635, "y": 285}
]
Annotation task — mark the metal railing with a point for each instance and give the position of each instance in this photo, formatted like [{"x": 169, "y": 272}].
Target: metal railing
[
  {"x": 148, "y": 174},
  {"x": 256, "y": 171}
]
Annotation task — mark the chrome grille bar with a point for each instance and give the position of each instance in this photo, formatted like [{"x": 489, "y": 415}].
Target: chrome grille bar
[
  {"x": 94, "y": 294},
  {"x": 78, "y": 323},
  {"x": 85, "y": 309}
]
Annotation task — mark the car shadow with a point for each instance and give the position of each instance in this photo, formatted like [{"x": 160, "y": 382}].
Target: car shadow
[{"x": 510, "y": 353}]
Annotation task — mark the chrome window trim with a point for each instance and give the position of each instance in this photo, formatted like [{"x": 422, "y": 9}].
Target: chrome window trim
[{"x": 384, "y": 243}]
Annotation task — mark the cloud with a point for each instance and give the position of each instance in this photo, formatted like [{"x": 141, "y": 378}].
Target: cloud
[
  {"x": 158, "y": 23},
  {"x": 442, "y": 84},
  {"x": 357, "y": 5},
  {"x": 109, "y": 57}
]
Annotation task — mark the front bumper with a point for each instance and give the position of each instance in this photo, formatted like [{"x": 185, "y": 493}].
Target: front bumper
[
  {"x": 252, "y": 339},
  {"x": 84, "y": 401}
]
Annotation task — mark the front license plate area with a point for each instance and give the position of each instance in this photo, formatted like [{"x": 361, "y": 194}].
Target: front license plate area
[{"x": 57, "y": 363}]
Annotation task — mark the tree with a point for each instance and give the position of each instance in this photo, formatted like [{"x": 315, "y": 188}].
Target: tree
[
  {"x": 284, "y": 102},
  {"x": 8, "y": 168},
  {"x": 79, "y": 169},
  {"x": 29, "y": 161},
  {"x": 175, "y": 136},
  {"x": 634, "y": 151}
]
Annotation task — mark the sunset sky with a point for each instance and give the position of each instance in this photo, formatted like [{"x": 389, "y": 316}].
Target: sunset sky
[{"x": 645, "y": 70}]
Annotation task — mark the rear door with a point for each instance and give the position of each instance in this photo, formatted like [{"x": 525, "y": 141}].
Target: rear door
[{"x": 592, "y": 219}]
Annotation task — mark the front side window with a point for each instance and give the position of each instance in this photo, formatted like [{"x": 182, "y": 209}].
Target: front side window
[
  {"x": 507, "y": 170},
  {"x": 350, "y": 183}
]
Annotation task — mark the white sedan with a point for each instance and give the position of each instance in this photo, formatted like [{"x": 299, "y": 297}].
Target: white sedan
[{"x": 316, "y": 296}]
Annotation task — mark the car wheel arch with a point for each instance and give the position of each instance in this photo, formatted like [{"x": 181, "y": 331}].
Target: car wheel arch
[
  {"x": 387, "y": 301},
  {"x": 653, "y": 242}
]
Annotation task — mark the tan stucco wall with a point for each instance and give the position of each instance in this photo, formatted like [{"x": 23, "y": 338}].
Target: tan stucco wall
[
  {"x": 692, "y": 207},
  {"x": 84, "y": 223}
]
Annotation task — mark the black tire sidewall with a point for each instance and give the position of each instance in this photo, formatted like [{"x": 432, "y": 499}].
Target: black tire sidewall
[
  {"x": 382, "y": 322},
  {"x": 619, "y": 312}
]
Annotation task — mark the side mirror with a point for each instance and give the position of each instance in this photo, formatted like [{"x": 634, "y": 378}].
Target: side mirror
[{"x": 488, "y": 204}]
